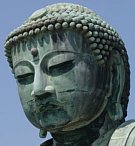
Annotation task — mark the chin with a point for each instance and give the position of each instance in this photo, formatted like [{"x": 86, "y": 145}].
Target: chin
[{"x": 54, "y": 121}]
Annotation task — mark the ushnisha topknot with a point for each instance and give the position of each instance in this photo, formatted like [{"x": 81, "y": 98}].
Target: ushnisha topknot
[{"x": 100, "y": 36}]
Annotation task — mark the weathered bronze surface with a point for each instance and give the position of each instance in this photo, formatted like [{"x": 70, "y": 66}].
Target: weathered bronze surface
[{"x": 73, "y": 77}]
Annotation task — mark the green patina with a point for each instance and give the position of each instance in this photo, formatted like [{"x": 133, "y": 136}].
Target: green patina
[{"x": 72, "y": 74}]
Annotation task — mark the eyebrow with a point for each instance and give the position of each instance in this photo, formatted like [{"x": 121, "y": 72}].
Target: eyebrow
[
  {"x": 55, "y": 52},
  {"x": 22, "y": 62}
]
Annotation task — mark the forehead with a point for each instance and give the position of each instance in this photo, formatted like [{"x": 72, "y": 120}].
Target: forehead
[{"x": 45, "y": 43}]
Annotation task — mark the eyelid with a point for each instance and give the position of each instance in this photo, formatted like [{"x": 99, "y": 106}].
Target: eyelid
[
  {"x": 23, "y": 76},
  {"x": 23, "y": 68},
  {"x": 60, "y": 58},
  {"x": 22, "y": 62},
  {"x": 22, "y": 71}
]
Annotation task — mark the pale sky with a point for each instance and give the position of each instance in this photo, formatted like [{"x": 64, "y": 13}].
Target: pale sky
[{"x": 15, "y": 129}]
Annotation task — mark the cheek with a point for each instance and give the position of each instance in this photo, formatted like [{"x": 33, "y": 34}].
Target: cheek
[
  {"x": 80, "y": 91},
  {"x": 72, "y": 85},
  {"x": 88, "y": 104},
  {"x": 80, "y": 77},
  {"x": 81, "y": 104},
  {"x": 85, "y": 106},
  {"x": 25, "y": 93},
  {"x": 65, "y": 82},
  {"x": 28, "y": 103},
  {"x": 84, "y": 76}
]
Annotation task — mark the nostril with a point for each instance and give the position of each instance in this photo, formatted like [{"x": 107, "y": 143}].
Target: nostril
[
  {"x": 43, "y": 96},
  {"x": 32, "y": 93},
  {"x": 49, "y": 89},
  {"x": 37, "y": 93}
]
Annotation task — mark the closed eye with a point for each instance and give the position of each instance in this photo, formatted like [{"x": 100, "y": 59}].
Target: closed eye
[
  {"x": 61, "y": 68},
  {"x": 25, "y": 78}
]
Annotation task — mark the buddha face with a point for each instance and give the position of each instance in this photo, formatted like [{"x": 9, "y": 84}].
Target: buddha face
[{"x": 60, "y": 84}]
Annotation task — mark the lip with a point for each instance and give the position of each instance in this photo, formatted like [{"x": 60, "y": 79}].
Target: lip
[
  {"x": 48, "y": 105},
  {"x": 44, "y": 108}
]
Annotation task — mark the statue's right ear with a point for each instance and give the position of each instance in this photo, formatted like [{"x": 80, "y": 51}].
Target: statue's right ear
[
  {"x": 117, "y": 85},
  {"x": 42, "y": 133}
]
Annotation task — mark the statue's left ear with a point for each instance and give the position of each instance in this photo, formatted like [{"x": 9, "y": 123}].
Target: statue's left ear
[{"x": 117, "y": 84}]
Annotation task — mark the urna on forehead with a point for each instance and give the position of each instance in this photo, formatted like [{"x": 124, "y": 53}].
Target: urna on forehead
[{"x": 100, "y": 36}]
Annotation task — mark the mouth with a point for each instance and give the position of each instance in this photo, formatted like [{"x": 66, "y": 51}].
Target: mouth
[
  {"x": 48, "y": 106},
  {"x": 44, "y": 108}
]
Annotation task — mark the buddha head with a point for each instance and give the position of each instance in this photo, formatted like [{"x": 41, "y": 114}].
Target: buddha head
[{"x": 70, "y": 67}]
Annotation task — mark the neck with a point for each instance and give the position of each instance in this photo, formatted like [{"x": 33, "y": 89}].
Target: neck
[
  {"x": 98, "y": 131},
  {"x": 82, "y": 136}
]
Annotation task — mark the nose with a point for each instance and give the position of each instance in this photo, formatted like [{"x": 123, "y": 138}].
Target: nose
[
  {"x": 41, "y": 86},
  {"x": 48, "y": 89}
]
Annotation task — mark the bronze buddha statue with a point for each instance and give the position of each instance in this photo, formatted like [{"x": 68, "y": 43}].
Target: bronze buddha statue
[{"x": 73, "y": 77}]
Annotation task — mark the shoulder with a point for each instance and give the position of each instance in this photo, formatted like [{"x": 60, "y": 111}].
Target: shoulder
[
  {"x": 124, "y": 135},
  {"x": 47, "y": 143}
]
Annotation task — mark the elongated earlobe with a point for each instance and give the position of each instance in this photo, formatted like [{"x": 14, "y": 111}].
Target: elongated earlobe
[
  {"x": 115, "y": 111},
  {"x": 42, "y": 133},
  {"x": 118, "y": 79}
]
